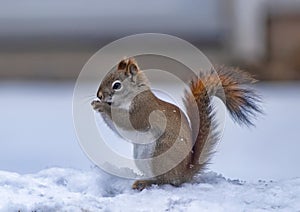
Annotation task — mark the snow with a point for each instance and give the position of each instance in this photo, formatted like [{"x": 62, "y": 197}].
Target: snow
[
  {"x": 61, "y": 189},
  {"x": 264, "y": 159}
]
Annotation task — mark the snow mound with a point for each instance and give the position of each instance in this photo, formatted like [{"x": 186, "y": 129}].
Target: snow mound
[{"x": 59, "y": 189}]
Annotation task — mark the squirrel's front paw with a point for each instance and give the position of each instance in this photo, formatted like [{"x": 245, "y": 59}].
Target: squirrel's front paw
[{"x": 97, "y": 105}]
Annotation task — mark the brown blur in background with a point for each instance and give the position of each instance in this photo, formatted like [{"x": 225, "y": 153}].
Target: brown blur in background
[{"x": 52, "y": 40}]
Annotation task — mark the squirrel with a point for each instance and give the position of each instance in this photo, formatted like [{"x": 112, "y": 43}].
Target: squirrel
[{"x": 126, "y": 92}]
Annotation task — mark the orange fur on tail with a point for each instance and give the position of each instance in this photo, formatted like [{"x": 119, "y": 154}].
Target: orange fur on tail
[{"x": 231, "y": 86}]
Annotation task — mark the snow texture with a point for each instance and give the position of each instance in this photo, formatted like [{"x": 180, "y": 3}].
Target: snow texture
[{"x": 59, "y": 189}]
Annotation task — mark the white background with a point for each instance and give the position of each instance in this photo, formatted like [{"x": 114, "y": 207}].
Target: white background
[{"x": 36, "y": 132}]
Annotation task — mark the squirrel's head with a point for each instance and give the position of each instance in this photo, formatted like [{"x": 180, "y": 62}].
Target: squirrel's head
[{"x": 122, "y": 84}]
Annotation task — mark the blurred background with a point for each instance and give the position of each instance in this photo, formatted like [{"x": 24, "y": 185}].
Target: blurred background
[{"x": 44, "y": 45}]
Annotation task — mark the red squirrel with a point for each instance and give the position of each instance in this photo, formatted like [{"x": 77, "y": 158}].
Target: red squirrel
[{"x": 126, "y": 92}]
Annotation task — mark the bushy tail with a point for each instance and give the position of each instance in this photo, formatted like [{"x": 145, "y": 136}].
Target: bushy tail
[
  {"x": 233, "y": 89},
  {"x": 230, "y": 85}
]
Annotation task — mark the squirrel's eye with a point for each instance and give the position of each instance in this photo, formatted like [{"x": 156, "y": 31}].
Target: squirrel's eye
[{"x": 116, "y": 85}]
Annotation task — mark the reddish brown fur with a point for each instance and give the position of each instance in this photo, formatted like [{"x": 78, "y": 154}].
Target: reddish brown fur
[{"x": 226, "y": 83}]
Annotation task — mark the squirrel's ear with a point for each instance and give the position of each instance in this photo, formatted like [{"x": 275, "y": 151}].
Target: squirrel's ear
[
  {"x": 133, "y": 69},
  {"x": 122, "y": 65}
]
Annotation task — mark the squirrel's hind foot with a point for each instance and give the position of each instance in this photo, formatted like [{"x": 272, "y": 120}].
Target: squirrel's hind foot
[{"x": 142, "y": 184}]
